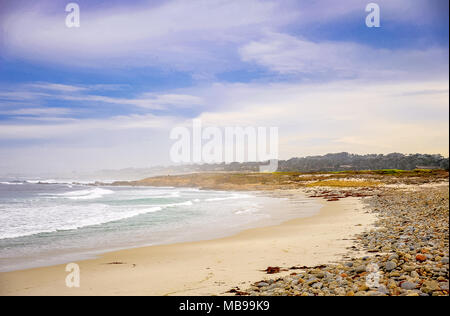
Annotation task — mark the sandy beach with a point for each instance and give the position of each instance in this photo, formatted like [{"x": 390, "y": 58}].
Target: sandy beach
[{"x": 209, "y": 267}]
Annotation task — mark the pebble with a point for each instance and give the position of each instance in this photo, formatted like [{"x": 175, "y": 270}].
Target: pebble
[
  {"x": 390, "y": 266},
  {"x": 411, "y": 237},
  {"x": 408, "y": 285},
  {"x": 261, "y": 284}
]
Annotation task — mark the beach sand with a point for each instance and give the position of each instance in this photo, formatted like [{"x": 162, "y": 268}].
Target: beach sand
[{"x": 209, "y": 267}]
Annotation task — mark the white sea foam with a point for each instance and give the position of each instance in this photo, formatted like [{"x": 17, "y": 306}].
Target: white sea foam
[
  {"x": 53, "y": 181},
  {"x": 89, "y": 194},
  {"x": 247, "y": 211},
  {"x": 49, "y": 181},
  {"x": 10, "y": 183},
  {"x": 187, "y": 203},
  {"x": 93, "y": 215},
  {"x": 234, "y": 196},
  {"x": 162, "y": 196},
  {"x": 55, "y": 210}
]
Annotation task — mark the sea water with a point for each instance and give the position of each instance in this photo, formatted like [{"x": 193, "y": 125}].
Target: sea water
[{"x": 51, "y": 222}]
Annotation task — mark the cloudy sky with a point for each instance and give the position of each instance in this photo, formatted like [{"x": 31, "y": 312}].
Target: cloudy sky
[{"x": 106, "y": 94}]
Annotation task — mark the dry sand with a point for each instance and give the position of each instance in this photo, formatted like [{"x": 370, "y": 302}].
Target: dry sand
[{"x": 206, "y": 267}]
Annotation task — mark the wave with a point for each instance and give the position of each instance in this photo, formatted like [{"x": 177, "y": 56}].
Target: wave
[
  {"x": 234, "y": 196},
  {"x": 187, "y": 203},
  {"x": 86, "y": 194},
  {"x": 63, "y": 215},
  {"x": 87, "y": 222},
  {"x": 175, "y": 194},
  {"x": 51, "y": 181},
  {"x": 247, "y": 211},
  {"x": 11, "y": 183}
]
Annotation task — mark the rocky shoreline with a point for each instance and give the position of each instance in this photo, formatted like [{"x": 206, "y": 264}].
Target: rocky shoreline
[{"x": 405, "y": 254}]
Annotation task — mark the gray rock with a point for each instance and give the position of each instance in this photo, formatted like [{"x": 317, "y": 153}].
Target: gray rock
[
  {"x": 390, "y": 265},
  {"x": 261, "y": 284},
  {"x": 273, "y": 286},
  {"x": 408, "y": 285},
  {"x": 383, "y": 289},
  {"x": 393, "y": 256},
  {"x": 312, "y": 281},
  {"x": 444, "y": 286},
  {"x": 408, "y": 268}
]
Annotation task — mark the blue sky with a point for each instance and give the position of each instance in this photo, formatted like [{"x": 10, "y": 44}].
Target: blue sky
[{"x": 106, "y": 94}]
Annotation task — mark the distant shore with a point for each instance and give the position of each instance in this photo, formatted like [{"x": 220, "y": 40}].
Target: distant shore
[{"x": 252, "y": 181}]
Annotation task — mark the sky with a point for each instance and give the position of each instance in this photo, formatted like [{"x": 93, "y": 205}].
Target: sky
[{"x": 106, "y": 94}]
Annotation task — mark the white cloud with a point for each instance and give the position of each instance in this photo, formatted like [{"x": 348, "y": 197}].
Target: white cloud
[
  {"x": 40, "y": 92},
  {"x": 287, "y": 54},
  {"x": 55, "y": 87},
  {"x": 348, "y": 116},
  {"x": 186, "y": 35},
  {"x": 398, "y": 103},
  {"x": 37, "y": 111},
  {"x": 342, "y": 116},
  {"x": 70, "y": 127}
]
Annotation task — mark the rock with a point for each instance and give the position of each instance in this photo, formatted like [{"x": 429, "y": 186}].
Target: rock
[
  {"x": 320, "y": 275},
  {"x": 412, "y": 236},
  {"x": 312, "y": 281},
  {"x": 393, "y": 256},
  {"x": 262, "y": 284},
  {"x": 340, "y": 291},
  {"x": 408, "y": 285},
  {"x": 421, "y": 258},
  {"x": 390, "y": 265},
  {"x": 430, "y": 286},
  {"x": 444, "y": 286},
  {"x": 408, "y": 268},
  {"x": 383, "y": 289},
  {"x": 363, "y": 288}
]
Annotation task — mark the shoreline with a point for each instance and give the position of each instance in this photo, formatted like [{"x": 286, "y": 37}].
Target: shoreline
[
  {"x": 293, "y": 206},
  {"x": 206, "y": 267}
]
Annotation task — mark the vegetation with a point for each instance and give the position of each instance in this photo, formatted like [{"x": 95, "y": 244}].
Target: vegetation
[
  {"x": 341, "y": 183},
  {"x": 394, "y": 163},
  {"x": 391, "y": 163}
]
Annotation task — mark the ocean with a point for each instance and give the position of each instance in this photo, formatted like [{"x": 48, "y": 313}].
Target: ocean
[{"x": 52, "y": 222}]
